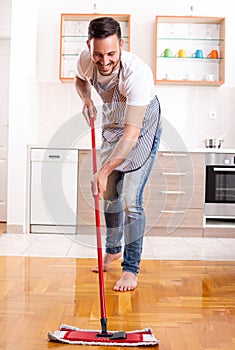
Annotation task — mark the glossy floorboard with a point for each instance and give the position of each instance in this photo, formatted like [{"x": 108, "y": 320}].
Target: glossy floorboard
[
  {"x": 189, "y": 304},
  {"x": 2, "y": 227}
]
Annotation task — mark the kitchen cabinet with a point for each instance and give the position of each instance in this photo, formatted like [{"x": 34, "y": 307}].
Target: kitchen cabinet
[
  {"x": 53, "y": 190},
  {"x": 189, "y": 50},
  {"x": 174, "y": 199},
  {"x": 59, "y": 198},
  {"x": 73, "y": 37}
]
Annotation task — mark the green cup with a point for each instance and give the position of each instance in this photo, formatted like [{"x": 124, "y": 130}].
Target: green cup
[{"x": 167, "y": 53}]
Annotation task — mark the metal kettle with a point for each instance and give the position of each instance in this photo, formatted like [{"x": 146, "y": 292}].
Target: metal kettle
[{"x": 213, "y": 143}]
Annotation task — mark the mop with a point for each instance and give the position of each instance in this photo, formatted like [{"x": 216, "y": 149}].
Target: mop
[{"x": 73, "y": 335}]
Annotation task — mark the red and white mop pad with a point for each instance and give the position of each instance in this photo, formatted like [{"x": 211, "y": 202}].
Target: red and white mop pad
[{"x": 72, "y": 335}]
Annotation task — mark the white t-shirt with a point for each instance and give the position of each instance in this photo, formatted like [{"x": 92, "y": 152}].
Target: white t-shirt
[{"x": 135, "y": 81}]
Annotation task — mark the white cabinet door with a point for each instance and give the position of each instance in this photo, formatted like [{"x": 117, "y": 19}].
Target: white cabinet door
[{"x": 54, "y": 188}]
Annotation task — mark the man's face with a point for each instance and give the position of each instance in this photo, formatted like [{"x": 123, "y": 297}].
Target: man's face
[{"x": 106, "y": 53}]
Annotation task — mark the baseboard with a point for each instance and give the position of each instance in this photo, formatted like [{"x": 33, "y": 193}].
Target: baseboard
[{"x": 14, "y": 228}]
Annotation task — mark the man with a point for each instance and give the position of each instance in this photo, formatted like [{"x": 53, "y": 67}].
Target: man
[{"x": 130, "y": 139}]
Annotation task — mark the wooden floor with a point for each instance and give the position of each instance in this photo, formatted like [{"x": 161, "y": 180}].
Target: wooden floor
[
  {"x": 189, "y": 304},
  {"x": 3, "y": 227}
]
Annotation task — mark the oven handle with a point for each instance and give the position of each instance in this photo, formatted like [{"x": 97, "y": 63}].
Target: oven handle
[{"x": 232, "y": 170}]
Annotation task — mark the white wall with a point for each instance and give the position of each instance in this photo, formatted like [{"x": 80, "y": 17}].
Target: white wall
[
  {"x": 23, "y": 103},
  {"x": 186, "y": 108},
  {"x": 142, "y": 26},
  {"x": 5, "y": 18},
  {"x": 40, "y": 103}
]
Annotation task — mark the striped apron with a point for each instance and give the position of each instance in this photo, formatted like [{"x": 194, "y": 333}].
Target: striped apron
[{"x": 114, "y": 104}]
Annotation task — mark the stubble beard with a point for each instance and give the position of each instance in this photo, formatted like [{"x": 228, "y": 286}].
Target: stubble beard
[{"x": 113, "y": 68}]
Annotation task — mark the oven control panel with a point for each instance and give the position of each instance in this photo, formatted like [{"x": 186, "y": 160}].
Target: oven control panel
[{"x": 220, "y": 159}]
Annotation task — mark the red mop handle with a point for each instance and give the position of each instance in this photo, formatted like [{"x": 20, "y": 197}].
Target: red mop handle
[{"x": 98, "y": 232}]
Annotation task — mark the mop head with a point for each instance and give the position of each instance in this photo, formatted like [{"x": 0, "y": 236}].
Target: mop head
[{"x": 72, "y": 335}]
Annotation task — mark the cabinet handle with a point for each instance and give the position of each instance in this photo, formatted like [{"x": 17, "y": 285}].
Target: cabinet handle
[
  {"x": 173, "y": 211},
  {"x": 173, "y": 192},
  {"x": 54, "y": 156},
  {"x": 232, "y": 170},
  {"x": 174, "y": 174},
  {"x": 174, "y": 154}
]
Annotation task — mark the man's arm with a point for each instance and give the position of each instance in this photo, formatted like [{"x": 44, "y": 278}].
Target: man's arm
[
  {"x": 134, "y": 116},
  {"x": 83, "y": 89}
]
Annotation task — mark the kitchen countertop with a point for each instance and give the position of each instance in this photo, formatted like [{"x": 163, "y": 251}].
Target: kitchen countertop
[
  {"x": 213, "y": 150},
  {"x": 200, "y": 150},
  {"x": 161, "y": 148}
]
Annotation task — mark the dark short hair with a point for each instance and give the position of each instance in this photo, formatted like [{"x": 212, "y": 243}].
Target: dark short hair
[{"x": 102, "y": 27}]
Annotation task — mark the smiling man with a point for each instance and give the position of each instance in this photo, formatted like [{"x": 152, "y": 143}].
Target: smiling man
[
  {"x": 131, "y": 131},
  {"x": 109, "y": 59}
]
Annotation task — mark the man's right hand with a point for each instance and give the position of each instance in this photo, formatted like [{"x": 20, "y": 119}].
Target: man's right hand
[
  {"x": 89, "y": 111},
  {"x": 83, "y": 89}
]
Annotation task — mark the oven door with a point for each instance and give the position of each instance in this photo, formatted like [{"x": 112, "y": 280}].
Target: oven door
[{"x": 220, "y": 190}]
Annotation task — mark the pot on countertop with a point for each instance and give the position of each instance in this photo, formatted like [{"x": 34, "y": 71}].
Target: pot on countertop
[{"x": 213, "y": 143}]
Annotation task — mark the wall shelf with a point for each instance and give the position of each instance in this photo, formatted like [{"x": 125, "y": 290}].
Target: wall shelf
[{"x": 189, "y": 33}]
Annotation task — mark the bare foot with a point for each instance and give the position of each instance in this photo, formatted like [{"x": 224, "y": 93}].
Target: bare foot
[
  {"x": 107, "y": 260},
  {"x": 127, "y": 282}
]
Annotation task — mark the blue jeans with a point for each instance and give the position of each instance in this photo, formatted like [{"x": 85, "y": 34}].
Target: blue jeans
[{"x": 124, "y": 211}]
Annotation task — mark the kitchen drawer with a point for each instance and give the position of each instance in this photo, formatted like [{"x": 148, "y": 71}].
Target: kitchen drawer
[
  {"x": 183, "y": 178},
  {"x": 180, "y": 161},
  {"x": 170, "y": 188},
  {"x": 174, "y": 199},
  {"x": 175, "y": 218}
]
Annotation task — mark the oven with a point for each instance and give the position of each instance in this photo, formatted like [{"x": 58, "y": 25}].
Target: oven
[{"x": 220, "y": 185}]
